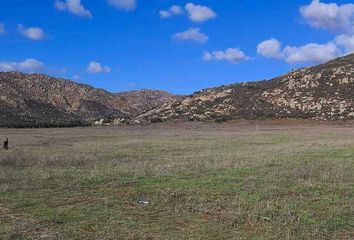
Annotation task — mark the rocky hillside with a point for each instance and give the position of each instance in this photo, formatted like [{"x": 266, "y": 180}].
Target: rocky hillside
[
  {"x": 323, "y": 92},
  {"x": 27, "y": 99}
]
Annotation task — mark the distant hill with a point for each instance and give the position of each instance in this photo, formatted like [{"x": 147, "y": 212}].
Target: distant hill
[
  {"x": 41, "y": 100},
  {"x": 323, "y": 92}
]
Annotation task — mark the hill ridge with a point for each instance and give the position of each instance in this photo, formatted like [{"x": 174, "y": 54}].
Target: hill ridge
[
  {"x": 322, "y": 92},
  {"x": 35, "y": 98}
]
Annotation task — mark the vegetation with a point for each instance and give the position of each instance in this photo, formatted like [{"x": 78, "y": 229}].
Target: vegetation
[
  {"x": 202, "y": 181},
  {"x": 46, "y": 124}
]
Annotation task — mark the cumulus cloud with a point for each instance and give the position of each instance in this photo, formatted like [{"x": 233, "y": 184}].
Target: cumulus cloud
[
  {"x": 96, "y": 67},
  {"x": 327, "y": 16},
  {"x": 33, "y": 33},
  {"x": 270, "y": 48},
  {"x": 73, "y": 6},
  {"x": 331, "y": 16},
  {"x": 233, "y": 55},
  {"x": 198, "y": 13},
  {"x": 28, "y": 65},
  {"x": 126, "y": 5},
  {"x": 313, "y": 53},
  {"x": 346, "y": 42},
  {"x": 176, "y": 10},
  {"x": 192, "y": 34},
  {"x": 2, "y": 28},
  {"x": 173, "y": 10},
  {"x": 309, "y": 53}
]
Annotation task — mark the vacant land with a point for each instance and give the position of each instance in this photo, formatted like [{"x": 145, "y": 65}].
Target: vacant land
[{"x": 201, "y": 181}]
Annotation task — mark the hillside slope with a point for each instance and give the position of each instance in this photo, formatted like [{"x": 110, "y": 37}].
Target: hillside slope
[
  {"x": 38, "y": 98},
  {"x": 323, "y": 92}
]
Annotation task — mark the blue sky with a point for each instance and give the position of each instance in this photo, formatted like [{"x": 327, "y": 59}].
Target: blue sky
[{"x": 121, "y": 45}]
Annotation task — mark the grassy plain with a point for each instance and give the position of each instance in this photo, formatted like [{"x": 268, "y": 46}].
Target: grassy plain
[{"x": 202, "y": 180}]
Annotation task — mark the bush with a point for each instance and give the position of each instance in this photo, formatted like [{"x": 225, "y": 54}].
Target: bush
[
  {"x": 46, "y": 124},
  {"x": 156, "y": 120},
  {"x": 221, "y": 119}
]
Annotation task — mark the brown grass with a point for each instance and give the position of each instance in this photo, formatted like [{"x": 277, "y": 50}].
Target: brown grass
[{"x": 289, "y": 180}]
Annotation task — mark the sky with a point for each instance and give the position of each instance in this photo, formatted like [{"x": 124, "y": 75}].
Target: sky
[{"x": 174, "y": 45}]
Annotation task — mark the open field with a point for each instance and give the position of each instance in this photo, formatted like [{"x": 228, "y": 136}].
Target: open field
[{"x": 202, "y": 181}]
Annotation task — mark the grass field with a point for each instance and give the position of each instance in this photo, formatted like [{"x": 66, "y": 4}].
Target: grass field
[{"x": 202, "y": 181}]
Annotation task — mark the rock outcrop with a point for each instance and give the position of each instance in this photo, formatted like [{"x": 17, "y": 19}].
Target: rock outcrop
[{"x": 324, "y": 92}]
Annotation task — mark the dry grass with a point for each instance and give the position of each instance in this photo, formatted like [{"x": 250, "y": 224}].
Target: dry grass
[{"x": 204, "y": 181}]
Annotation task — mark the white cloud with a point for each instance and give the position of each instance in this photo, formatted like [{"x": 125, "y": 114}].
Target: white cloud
[
  {"x": 33, "y": 33},
  {"x": 327, "y": 16},
  {"x": 347, "y": 42},
  {"x": 233, "y": 55},
  {"x": 2, "y": 28},
  {"x": 192, "y": 34},
  {"x": 28, "y": 65},
  {"x": 198, "y": 13},
  {"x": 207, "y": 56},
  {"x": 270, "y": 48},
  {"x": 338, "y": 18},
  {"x": 165, "y": 14},
  {"x": 73, "y": 6},
  {"x": 176, "y": 10},
  {"x": 95, "y": 67},
  {"x": 309, "y": 53},
  {"x": 173, "y": 10},
  {"x": 313, "y": 53},
  {"x": 76, "y": 77},
  {"x": 126, "y": 5}
]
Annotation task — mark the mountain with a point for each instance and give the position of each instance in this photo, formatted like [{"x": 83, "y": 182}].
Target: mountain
[
  {"x": 38, "y": 99},
  {"x": 324, "y": 92}
]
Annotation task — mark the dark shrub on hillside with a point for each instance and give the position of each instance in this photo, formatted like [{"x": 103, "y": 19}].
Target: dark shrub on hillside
[
  {"x": 221, "y": 119},
  {"x": 45, "y": 124},
  {"x": 156, "y": 120}
]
